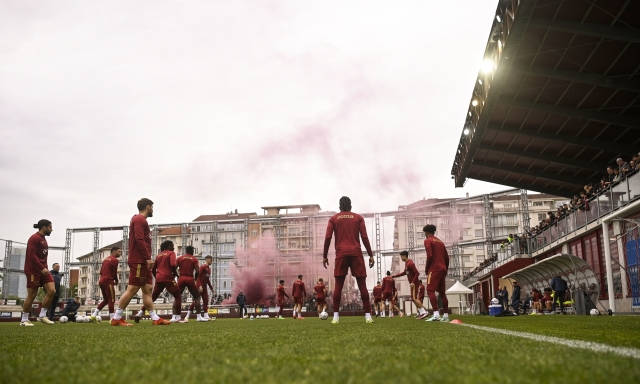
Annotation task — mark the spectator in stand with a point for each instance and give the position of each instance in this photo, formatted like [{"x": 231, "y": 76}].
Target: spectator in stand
[
  {"x": 623, "y": 167},
  {"x": 71, "y": 309},
  {"x": 616, "y": 175},
  {"x": 611, "y": 174},
  {"x": 552, "y": 217},
  {"x": 604, "y": 183}
]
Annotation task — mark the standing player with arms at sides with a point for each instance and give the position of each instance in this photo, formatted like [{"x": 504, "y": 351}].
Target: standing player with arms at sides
[
  {"x": 37, "y": 271},
  {"x": 188, "y": 266},
  {"x": 349, "y": 228},
  {"x": 436, "y": 270},
  {"x": 299, "y": 293},
  {"x": 378, "y": 306},
  {"x": 140, "y": 264},
  {"x": 412, "y": 274},
  {"x": 202, "y": 281},
  {"x": 388, "y": 291},
  {"x": 165, "y": 271},
  {"x": 281, "y": 295},
  {"x": 321, "y": 296},
  {"x": 107, "y": 282},
  {"x": 421, "y": 292}
]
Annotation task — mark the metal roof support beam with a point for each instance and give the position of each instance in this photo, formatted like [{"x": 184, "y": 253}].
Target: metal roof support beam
[
  {"x": 541, "y": 174},
  {"x": 614, "y": 33},
  {"x": 583, "y": 77},
  {"x": 600, "y": 144},
  {"x": 530, "y": 187},
  {"x": 586, "y": 165},
  {"x": 607, "y": 118}
]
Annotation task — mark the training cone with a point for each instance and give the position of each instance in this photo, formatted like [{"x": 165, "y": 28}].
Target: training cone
[{"x": 456, "y": 321}]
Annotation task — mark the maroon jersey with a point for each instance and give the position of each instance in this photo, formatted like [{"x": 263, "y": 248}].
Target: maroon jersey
[
  {"x": 109, "y": 270},
  {"x": 139, "y": 240},
  {"x": 349, "y": 228},
  {"x": 319, "y": 288},
  {"x": 281, "y": 293},
  {"x": 187, "y": 264},
  {"x": 388, "y": 284},
  {"x": 298, "y": 289},
  {"x": 437, "y": 256},
  {"x": 165, "y": 266},
  {"x": 377, "y": 292},
  {"x": 203, "y": 277},
  {"x": 411, "y": 271},
  {"x": 37, "y": 252}
]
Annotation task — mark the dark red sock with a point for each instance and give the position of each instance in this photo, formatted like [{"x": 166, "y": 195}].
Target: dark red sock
[
  {"x": 433, "y": 300},
  {"x": 337, "y": 293},
  {"x": 445, "y": 302},
  {"x": 362, "y": 285}
]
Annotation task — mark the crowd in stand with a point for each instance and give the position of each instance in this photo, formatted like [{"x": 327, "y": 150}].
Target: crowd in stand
[{"x": 579, "y": 203}]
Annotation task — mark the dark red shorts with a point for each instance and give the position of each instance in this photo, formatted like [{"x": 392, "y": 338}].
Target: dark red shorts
[
  {"x": 387, "y": 295},
  {"x": 355, "y": 263},
  {"x": 37, "y": 280},
  {"x": 190, "y": 284},
  {"x": 322, "y": 301},
  {"x": 140, "y": 274},
  {"x": 377, "y": 300},
  {"x": 436, "y": 281},
  {"x": 170, "y": 286},
  {"x": 108, "y": 293},
  {"x": 280, "y": 302},
  {"x": 297, "y": 300}
]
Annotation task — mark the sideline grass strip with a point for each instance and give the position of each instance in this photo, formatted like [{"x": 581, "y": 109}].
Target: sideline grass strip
[{"x": 595, "y": 347}]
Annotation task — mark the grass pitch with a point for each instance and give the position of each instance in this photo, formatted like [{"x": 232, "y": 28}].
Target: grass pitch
[{"x": 390, "y": 350}]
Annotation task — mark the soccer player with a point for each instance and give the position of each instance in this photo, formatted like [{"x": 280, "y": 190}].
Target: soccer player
[
  {"x": 394, "y": 303},
  {"x": 388, "y": 289},
  {"x": 281, "y": 295},
  {"x": 349, "y": 228},
  {"x": 412, "y": 274},
  {"x": 165, "y": 271},
  {"x": 321, "y": 296},
  {"x": 140, "y": 264},
  {"x": 188, "y": 266},
  {"x": 436, "y": 271},
  {"x": 203, "y": 280},
  {"x": 37, "y": 271},
  {"x": 108, "y": 280},
  {"x": 420, "y": 294},
  {"x": 378, "y": 305},
  {"x": 299, "y": 293}
]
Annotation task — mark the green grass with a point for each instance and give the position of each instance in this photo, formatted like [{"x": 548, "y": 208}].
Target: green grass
[{"x": 389, "y": 351}]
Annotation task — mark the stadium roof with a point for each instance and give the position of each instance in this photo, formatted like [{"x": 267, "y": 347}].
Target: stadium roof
[{"x": 558, "y": 96}]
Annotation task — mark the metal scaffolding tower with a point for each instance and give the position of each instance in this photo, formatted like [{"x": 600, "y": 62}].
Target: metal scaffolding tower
[
  {"x": 524, "y": 211},
  {"x": 185, "y": 240},
  {"x": 245, "y": 242},
  {"x": 214, "y": 255},
  {"x": 122, "y": 279},
  {"x": 6, "y": 276},
  {"x": 488, "y": 226},
  {"x": 94, "y": 292},
  {"x": 455, "y": 233},
  {"x": 154, "y": 241},
  {"x": 376, "y": 218},
  {"x": 66, "y": 265},
  {"x": 411, "y": 234},
  {"x": 278, "y": 229}
]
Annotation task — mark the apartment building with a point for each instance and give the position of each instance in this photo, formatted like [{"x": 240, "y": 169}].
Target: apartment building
[{"x": 88, "y": 275}]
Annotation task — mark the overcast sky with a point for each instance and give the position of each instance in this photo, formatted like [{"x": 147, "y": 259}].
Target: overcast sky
[{"x": 210, "y": 106}]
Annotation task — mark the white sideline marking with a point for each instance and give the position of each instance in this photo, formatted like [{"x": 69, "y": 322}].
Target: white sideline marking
[{"x": 595, "y": 347}]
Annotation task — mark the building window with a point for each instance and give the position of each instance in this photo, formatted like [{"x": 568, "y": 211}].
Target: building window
[
  {"x": 480, "y": 260},
  {"x": 541, "y": 216},
  {"x": 254, "y": 232},
  {"x": 231, "y": 282},
  {"x": 421, "y": 222},
  {"x": 232, "y": 247},
  {"x": 224, "y": 284},
  {"x": 480, "y": 247},
  {"x": 507, "y": 205},
  {"x": 224, "y": 272},
  {"x": 421, "y": 235},
  {"x": 478, "y": 233},
  {"x": 465, "y": 232},
  {"x": 466, "y": 259},
  {"x": 537, "y": 203},
  {"x": 477, "y": 220}
]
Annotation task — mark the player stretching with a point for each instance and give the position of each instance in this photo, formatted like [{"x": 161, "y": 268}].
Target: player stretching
[
  {"x": 281, "y": 295},
  {"x": 107, "y": 282},
  {"x": 202, "y": 281},
  {"x": 299, "y": 293},
  {"x": 349, "y": 228},
  {"x": 412, "y": 274},
  {"x": 378, "y": 305},
  {"x": 321, "y": 296},
  {"x": 165, "y": 271},
  {"x": 420, "y": 295},
  {"x": 436, "y": 270},
  {"x": 388, "y": 290},
  {"x": 140, "y": 264},
  {"x": 188, "y": 266},
  {"x": 37, "y": 271}
]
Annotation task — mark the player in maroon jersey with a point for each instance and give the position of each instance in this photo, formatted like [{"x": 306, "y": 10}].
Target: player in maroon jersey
[
  {"x": 140, "y": 264},
  {"x": 388, "y": 289},
  {"x": 202, "y": 282},
  {"x": 299, "y": 293},
  {"x": 281, "y": 295},
  {"x": 165, "y": 271},
  {"x": 436, "y": 270},
  {"x": 412, "y": 274},
  {"x": 421, "y": 292},
  {"x": 37, "y": 271},
  {"x": 321, "y": 296},
  {"x": 189, "y": 269},
  {"x": 378, "y": 305},
  {"x": 348, "y": 228},
  {"x": 107, "y": 282}
]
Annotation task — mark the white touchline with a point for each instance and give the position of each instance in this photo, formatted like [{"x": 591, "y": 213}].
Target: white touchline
[{"x": 596, "y": 347}]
